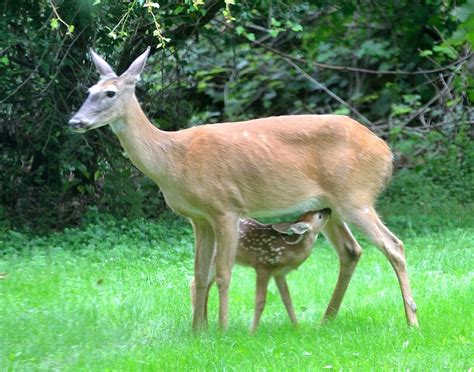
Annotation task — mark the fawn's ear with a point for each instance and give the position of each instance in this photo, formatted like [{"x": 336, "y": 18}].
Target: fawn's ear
[{"x": 290, "y": 228}]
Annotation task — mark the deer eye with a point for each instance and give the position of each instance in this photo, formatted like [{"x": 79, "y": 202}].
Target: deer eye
[{"x": 110, "y": 93}]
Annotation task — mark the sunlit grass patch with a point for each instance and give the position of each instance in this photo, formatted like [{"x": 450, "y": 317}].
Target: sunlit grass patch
[{"x": 116, "y": 296}]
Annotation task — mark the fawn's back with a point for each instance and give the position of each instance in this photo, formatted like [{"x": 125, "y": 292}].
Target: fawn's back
[{"x": 279, "y": 246}]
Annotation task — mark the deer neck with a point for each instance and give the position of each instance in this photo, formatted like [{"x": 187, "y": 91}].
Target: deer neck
[
  {"x": 147, "y": 147},
  {"x": 310, "y": 241}
]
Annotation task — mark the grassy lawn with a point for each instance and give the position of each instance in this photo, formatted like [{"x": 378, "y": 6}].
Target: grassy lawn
[{"x": 114, "y": 295}]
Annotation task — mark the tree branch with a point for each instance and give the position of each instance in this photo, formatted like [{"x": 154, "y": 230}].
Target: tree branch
[
  {"x": 364, "y": 70},
  {"x": 328, "y": 92},
  {"x": 441, "y": 93}
]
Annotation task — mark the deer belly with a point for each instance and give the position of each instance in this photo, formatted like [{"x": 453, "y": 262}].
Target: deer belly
[{"x": 310, "y": 204}]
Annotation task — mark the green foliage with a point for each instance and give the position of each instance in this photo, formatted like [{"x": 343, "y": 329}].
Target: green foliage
[
  {"x": 441, "y": 173},
  {"x": 103, "y": 235},
  {"x": 465, "y": 32},
  {"x": 220, "y": 61}
]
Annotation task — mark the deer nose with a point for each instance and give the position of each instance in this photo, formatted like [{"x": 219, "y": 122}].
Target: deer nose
[{"x": 78, "y": 124}]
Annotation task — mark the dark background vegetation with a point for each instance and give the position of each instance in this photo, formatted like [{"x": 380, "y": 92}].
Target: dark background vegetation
[{"x": 403, "y": 68}]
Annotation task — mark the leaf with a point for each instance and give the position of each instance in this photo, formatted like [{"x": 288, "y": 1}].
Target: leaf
[
  {"x": 465, "y": 11},
  {"x": 250, "y": 36},
  {"x": 471, "y": 95},
  {"x": 297, "y": 28},
  {"x": 426, "y": 53},
  {"x": 54, "y": 23},
  {"x": 179, "y": 9},
  {"x": 151, "y": 5},
  {"x": 4, "y": 60},
  {"x": 447, "y": 50},
  {"x": 70, "y": 29},
  {"x": 342, "y": 111},
  {"x": 240, "y": 30},
  {"x": 274, "y": 33},
  {"x": 400, "y": 109},
  {"x": 412, "y": 99},
  {"x": 275, "y": 23}
]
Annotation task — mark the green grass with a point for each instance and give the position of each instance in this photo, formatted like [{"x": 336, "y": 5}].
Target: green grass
[{"x": 114, "y": 295}]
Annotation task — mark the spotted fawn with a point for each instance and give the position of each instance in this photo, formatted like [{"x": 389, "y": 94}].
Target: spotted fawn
[{"x": 274, "y": 250}]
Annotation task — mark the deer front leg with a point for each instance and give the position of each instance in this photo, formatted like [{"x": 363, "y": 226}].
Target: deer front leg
[
  {"x": 263, "y": 277},
  {"x": 226, "y": 233},
  {"x": 205, "y": 242},
  {"x": 193, "y": 290},
  {"x": 211, "y": 280},
  {"x": 285, "y": 297}
]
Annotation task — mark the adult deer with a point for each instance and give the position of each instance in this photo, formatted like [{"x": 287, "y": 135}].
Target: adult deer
[{"x": 215, "y": 174}]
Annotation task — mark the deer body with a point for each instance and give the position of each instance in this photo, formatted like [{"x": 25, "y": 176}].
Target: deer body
[
  {"x": 235, "y": 163},
  {"x": 216, "y": 174},
  {"x": 274, "y": 251}
]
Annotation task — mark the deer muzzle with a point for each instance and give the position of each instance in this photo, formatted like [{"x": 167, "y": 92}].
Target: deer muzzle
[{"x": 79, "y": 125}]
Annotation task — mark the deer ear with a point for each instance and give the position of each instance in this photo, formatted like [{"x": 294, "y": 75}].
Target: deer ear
[
  {"x": 103, "y": 67},
  {"x": 133, "y": 72},
  {"x": 290, "y": 228}
]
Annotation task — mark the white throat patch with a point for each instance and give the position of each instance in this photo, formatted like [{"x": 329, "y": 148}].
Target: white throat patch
[{"x": 118, "y": 126}]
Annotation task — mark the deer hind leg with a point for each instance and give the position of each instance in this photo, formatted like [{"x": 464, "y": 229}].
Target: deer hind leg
[
  {"x": 205, "y": 242},
  {"x": 263, "y": 277},
  {"x": 349, "y": 252},
  {"x": 285, "y": 297},
  {"x": 226, "y": 233},
  {"x": 370, "y": 224}
]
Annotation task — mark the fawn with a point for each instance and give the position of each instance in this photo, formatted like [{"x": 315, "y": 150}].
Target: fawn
[{"x": 273, "y": 251}]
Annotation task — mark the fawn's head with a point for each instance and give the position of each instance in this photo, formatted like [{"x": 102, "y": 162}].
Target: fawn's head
[
  {"x": 106, "y": 102},
  {"x": 309, "y": 222}
]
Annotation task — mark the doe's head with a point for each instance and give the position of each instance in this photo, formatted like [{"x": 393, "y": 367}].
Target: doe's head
[{"x": 107, "y": 99}]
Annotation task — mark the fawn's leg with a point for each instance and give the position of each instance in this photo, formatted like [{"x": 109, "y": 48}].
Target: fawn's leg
[
  {"x": 263, "y": 277},
  {"x": 204, "y": 236},
  {"x": 285, "y": 297},
  {"x": 227, "y": 236},
  {"x": 369, "y": 223},
  {"x": 349, "y": 253}
]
